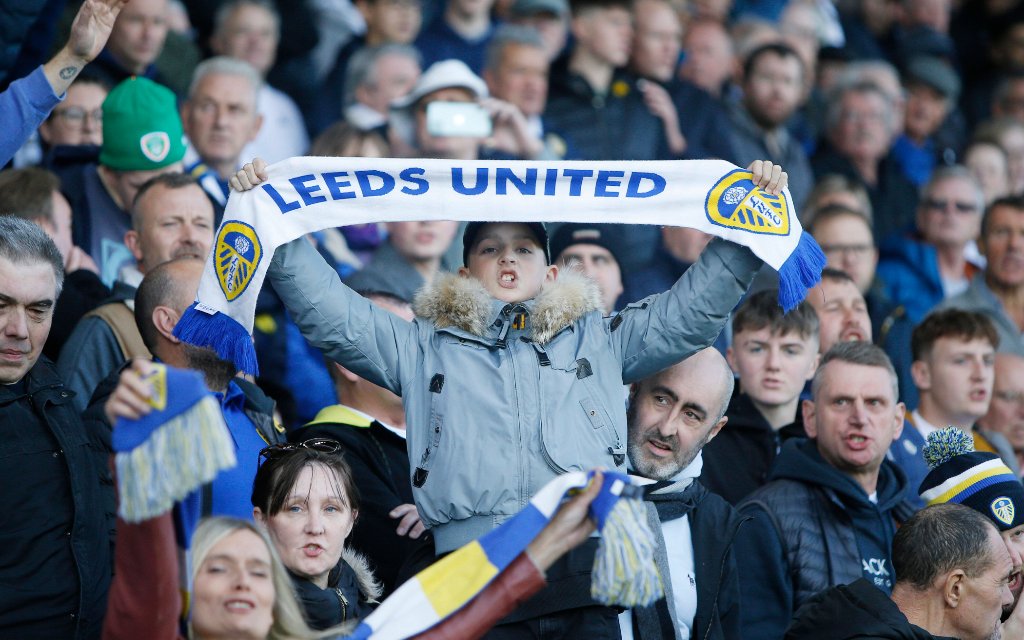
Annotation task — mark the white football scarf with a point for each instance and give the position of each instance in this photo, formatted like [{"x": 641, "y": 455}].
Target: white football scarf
[{"x": 309, "y": 194}]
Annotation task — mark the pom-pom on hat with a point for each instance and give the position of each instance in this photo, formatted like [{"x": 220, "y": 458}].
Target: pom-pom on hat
[
  {"x": 972, "y": 478},
  {"x": 141, "y": 127}
]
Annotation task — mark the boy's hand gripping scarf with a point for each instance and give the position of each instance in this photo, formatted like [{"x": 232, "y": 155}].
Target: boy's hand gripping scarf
[
  {"x": 308, "y": 194},
  {"x": 625, "y": 572}
]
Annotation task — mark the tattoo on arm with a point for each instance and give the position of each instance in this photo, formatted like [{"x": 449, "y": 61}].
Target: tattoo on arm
[{"x": 68, "y": 72}]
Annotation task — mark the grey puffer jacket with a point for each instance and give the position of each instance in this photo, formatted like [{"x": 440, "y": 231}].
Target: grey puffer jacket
[{"x": 500, "y": 398}]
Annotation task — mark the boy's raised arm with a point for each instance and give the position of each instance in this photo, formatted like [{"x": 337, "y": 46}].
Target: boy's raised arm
[
  {"x": 347, "y": 327},
  {"x": 659, "y": 331}
]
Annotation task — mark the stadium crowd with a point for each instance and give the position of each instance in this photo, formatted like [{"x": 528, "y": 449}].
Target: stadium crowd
[{"x": 420, "y": 381}]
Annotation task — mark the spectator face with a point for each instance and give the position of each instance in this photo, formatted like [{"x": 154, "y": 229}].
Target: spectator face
[
  {"x": 1011, "y": 105},
  {"x": 928, "y": 13},
  {"x": 957, "y": 378},
  {"x": 988, "y": 164},
  {"x": 521, "y": 78},
  {"x": 979, "y": 614},
  {"x": 854, "y": 417},
  {"x": 1009, "y": 52},
  {"x": 309, "y": 532},
  {"x": 1003, "y": 246},
  {"x": 1012, "y": 141},
  {"x": 77, "y": 120},
  {"x": 421, "y": 241},
  {"x": 469, "y": 9},
  {"x": 849, "y": 246},
  {"x": 950, "y": 214},
  {"x": 926, "y": 111},
  {"x": 708, "y": 62},
  {"x": 1006, "y": 411},
  {"x": 173, "y": 223},
  {"x": 233, "y": 591},
  {"x": 1014, "y": 540},
  {"x": 773, "y": 368},
  {"x": 250, "y": 33},
  {"x": 391, "y": 21},
  {"x": 509, "y": 262},
  {"x": 59, "y": 229},
  {"x": 448, "y": 147},
  {"x": 717, "y": 10},
  {"x": 553, "y": 30},
  {"x": 220, "y": 119},
  {"x": 842, "y": 312},
  {"x": 139, "y": 34},
  {"x": 862, "y": 133},
  {"x": 393, "y": 76},
  {"x": 658, "y": 41},
  {"x": 673, "y": 414},
  {"x": 123, "y": 185},
  {"x": 774, "y": 89},
  {"x": 606, "y": 34},
  {"x": 599, "y": 265},
  {"x": 683, "y": 243},
  {"x": 28, "y": 293}
]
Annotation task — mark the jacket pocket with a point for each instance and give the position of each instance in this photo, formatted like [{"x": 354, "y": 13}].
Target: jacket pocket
[{"x": 577, "y": 431}]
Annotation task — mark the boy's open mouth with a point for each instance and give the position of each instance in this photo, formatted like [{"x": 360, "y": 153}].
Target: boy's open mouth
[{"x": 507, "y": 279}]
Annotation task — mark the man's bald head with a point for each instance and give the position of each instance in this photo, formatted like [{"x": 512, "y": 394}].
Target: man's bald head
[
  {"x": 674, "y": 413},
  {"x": 172, "y": 284}
]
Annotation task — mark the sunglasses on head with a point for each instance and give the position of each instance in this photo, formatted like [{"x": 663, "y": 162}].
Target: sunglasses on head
[{"x": 323, "y": 445}]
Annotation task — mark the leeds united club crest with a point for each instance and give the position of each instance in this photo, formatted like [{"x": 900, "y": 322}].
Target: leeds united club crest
[
  {"x": 237, "y": 256},
  {"x": 1003, "y": 510},
  {"x": 735, "y": 203}
]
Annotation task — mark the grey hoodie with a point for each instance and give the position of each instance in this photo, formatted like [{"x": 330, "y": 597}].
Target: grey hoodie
[{"x": 500, "y": 398}]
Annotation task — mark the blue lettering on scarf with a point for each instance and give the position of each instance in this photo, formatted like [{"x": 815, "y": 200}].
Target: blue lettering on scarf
[{"x": 314, "y": 188}]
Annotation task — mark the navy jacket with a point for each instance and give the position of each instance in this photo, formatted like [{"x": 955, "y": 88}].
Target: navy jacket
[{"x": 813, "y": 528}]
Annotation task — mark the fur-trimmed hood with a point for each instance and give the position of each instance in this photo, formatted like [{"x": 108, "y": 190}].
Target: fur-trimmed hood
[
  {"x": 369, "y": 586},
  {"x": 464, "y": 303}
]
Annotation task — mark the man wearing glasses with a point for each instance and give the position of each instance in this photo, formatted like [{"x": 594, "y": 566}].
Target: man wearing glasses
[
  {"x": 79, "y": 119},
  {"x": 922, "y": 270},
  {"x": 1006, "y": 411}
]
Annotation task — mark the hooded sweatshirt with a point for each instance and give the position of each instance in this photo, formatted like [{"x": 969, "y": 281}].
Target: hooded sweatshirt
[
  {"x": 814, "y": 527},
  {"x": 848, "y": 612}
]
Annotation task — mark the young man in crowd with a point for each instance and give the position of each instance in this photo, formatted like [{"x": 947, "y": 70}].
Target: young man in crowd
[
  {"x": 593, "y": 249},
  {"x": 954, "y": 355},
  {"x": 773, "y": 355}
]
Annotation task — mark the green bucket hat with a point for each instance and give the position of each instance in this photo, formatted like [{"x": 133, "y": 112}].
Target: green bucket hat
[{"x": 141, "y": 127}]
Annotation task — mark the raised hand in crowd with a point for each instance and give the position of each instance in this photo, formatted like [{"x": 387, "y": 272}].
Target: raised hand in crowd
[
  {"x": 89, "y": 33},
  {"x": 511, "y": 131},
  {"x": 660, "y": 104}
]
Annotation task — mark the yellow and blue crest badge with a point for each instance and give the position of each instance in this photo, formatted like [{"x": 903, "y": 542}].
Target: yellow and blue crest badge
[
  {"x": 735, "y": 203},
  {"x": 237, "y": 255},
  {"x": 1003, "y": 509},
  {"x": 157, "y": 379}
]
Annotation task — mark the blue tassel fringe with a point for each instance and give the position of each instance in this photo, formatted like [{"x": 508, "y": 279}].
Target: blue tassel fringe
[
  {"x": 223, "y": 334},
  {"x": 800, "y": 272}
]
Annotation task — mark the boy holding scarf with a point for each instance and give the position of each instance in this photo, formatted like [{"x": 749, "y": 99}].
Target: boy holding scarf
[{"x": 510, "y": 375}]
